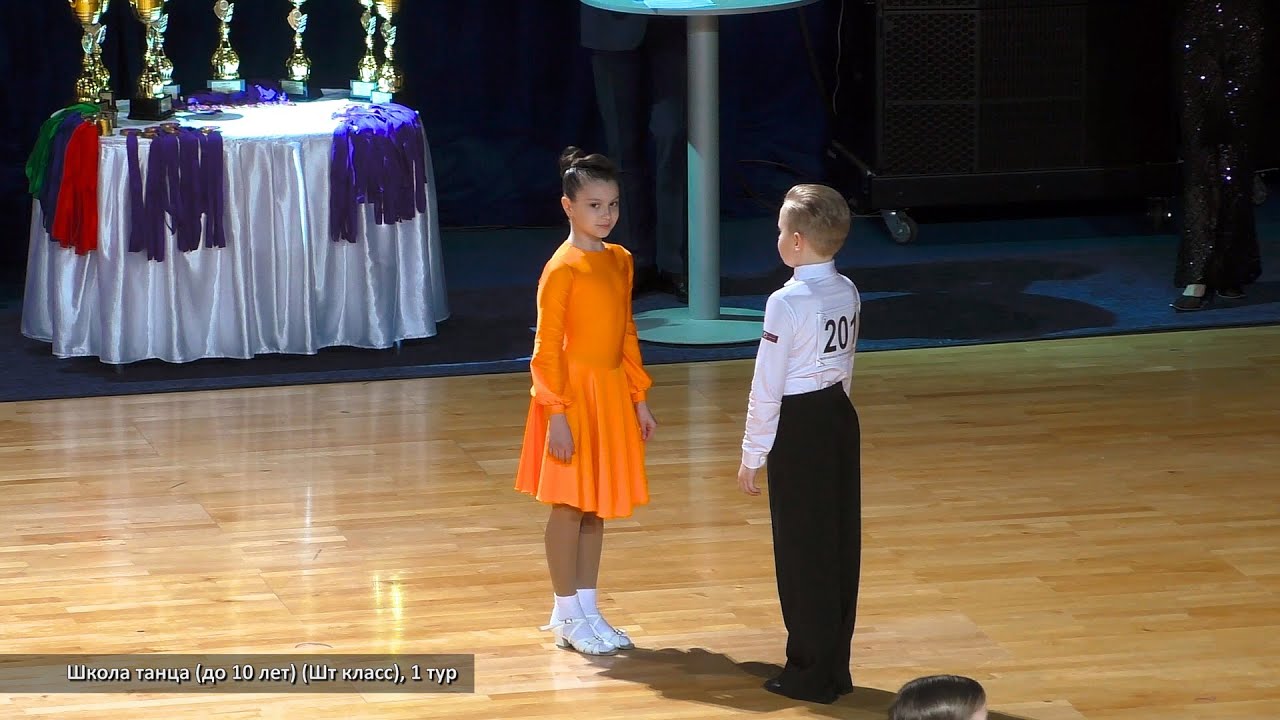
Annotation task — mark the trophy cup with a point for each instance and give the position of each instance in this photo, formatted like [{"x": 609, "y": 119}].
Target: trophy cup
[
  {"x": 164, "y": 66},
  {"x": 226, "y": 63},
  {"x": 389, "y": 78},
  {"x": 298, "y": 66},
  {"x": 150, "y": 101},
  {"x": 367, "y": 71},
  {"x": 94, "y": 83}
]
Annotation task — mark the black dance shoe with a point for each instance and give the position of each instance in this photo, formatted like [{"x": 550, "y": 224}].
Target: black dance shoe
[
  {"x": 1190, "y": 303},
  {"x": 776, "y": 687}
]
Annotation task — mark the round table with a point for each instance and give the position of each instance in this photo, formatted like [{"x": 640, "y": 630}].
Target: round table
[
  {"x": 703, "y": 321},
  {"x": 281, "y": 284}
]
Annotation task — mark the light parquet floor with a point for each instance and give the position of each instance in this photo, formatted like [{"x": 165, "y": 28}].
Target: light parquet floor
[{"x": 1089, "y": 527}]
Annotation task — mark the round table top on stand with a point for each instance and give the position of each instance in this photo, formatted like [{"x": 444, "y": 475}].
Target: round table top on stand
[{"x": 695, "y": 7}]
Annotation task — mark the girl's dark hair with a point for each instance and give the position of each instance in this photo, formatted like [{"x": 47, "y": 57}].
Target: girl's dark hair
[
  {"x": 938, "y": 697},
  {"x": 578, "y": 168}
]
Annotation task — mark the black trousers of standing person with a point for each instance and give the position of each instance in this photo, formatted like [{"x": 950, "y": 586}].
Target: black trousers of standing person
[
  {"x": 815, "y": 501},
  {"x": 641, "y": 95},
  {"x": 1220, "y": 80}
]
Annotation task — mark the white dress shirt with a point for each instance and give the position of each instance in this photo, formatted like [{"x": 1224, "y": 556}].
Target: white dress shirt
[{"x": 810, "y": 333}]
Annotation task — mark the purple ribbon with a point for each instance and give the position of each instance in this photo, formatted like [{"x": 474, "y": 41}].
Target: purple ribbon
[
  {"x": 255, "y": 94},
  {"x": 162, "y": 154},
  {"x": 138, "y": 229},
  {"x": 212, "y": 164},
  {"x": 187, "y": 193},
  {"x": 379, "y": 159},
  {"x": 185, "y": 182}
]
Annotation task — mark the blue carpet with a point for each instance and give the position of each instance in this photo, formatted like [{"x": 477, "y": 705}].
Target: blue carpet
[{"x": 960, "y": 283}]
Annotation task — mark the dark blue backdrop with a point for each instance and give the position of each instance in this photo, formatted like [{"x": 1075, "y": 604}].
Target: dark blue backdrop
[{"x": 502, "y": 86}]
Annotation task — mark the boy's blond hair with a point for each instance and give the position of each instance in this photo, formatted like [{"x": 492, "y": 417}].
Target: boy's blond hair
[{"x": 821, "y": 214}]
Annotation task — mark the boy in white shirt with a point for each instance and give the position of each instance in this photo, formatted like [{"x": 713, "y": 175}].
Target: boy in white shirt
[{"x": 801, "y": 422}]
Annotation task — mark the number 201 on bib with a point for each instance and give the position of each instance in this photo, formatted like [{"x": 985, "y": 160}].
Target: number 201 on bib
[{"x": 837, "y": 334}]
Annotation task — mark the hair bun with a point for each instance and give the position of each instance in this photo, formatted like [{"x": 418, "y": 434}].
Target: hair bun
[
  {"x": 585, "y": 168},
  {"x": 570, "y": 158}
]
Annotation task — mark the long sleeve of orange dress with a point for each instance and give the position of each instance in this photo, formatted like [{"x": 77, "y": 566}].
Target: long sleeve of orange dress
[
  {"x": 637, "y": 377},
  {"x": 547, "y": 365}
]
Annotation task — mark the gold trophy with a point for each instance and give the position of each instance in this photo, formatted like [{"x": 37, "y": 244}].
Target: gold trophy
[
  {"x": 164, "y": 66},
  {"x": 367, "y": 71},
  {"x": 298, "y": 66},
  {"x": 226, "y": 63},
  {"x": 390, "y": 79},
  {"x": 150, "y": 101},
  {"x": 94, "y": 83}
]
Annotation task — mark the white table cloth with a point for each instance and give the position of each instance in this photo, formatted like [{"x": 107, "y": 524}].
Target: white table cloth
[{"x": 280, "y": 285}]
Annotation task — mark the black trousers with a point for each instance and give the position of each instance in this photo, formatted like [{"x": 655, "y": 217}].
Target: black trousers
[
  {"x": 641, "y": 95},
  {"x": 1219, "y": 47},
  {"x": 815, "y": 501}
]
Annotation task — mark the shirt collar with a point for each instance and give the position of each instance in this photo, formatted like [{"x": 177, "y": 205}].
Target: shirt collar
[{"x": 813, "y": 272}]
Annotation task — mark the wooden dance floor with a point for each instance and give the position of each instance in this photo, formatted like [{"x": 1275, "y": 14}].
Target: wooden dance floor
[{"x": 1091, "y": 528}]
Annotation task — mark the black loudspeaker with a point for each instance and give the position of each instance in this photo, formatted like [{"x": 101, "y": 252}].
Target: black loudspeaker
[{"x": 945, "y": 103}]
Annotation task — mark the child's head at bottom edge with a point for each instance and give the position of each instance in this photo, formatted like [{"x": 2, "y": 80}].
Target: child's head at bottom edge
[{"x": 940, "y": 697}]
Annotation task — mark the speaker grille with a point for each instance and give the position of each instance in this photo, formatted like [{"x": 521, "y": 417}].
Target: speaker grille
[
  {"x": 930, "y": 57},
  {"x": 1032, "y": 88},
  {"x": 929, "y": 139},
  {"x": 1034, "y": 53},
  {"x": 992, "y": 87},
  {"x": 991, "y": 90},
  {"x": 1039, "y": 135},
  {"x": 915, "y": 4},
  {"x": 930, "y": 84}
]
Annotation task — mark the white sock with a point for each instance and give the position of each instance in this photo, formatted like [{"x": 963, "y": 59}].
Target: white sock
[
  {"x": 1194, "y": 291},
  {"x": 587, "y": 600},
  {"x": 567, "y": 608}
]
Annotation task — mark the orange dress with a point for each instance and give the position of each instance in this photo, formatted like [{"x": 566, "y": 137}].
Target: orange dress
[{"x": 586, "y": 364}]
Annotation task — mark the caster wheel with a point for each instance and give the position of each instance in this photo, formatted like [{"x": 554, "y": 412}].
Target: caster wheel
[
  {"x": 901, "y": 227},
  {"x": 1260, "y": 191}
]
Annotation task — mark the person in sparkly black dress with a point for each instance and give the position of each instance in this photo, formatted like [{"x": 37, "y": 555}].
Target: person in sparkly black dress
[{"x": 1219, "y": 43}]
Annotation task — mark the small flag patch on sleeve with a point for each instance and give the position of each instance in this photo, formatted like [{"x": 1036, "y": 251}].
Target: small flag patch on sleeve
[{"x": 770, "y": 337}]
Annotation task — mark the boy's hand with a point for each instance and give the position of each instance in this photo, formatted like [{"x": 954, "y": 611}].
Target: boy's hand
[
  {"x": 747, "y": 480},
  {"x": 560, "y": 438},
  {"x": 647, "y": 424}
]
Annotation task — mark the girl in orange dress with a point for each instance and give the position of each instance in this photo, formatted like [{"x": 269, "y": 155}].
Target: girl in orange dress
[{"x": 583, "y": 450}]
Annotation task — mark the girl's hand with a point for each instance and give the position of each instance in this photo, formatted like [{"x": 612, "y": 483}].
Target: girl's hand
[
  {"x": 647, "y": 424},
  {"x": 560, "y": 438}
]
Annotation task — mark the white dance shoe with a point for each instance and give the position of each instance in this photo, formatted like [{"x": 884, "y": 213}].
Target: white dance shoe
[
  {"x": 613, "y": 636},
  {"x": 577, "y": 633}
]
